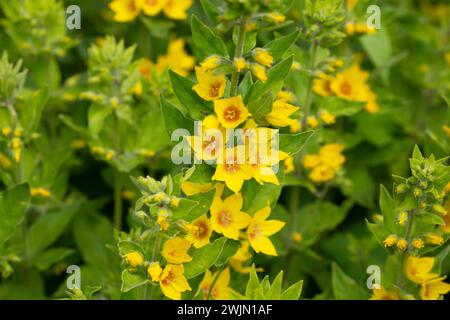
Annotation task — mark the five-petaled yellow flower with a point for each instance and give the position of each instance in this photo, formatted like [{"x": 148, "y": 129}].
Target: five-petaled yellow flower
[
  {"x": 220, "y": 290},
  {"x": 260, "y": 229},
  {"x": 280, "y": 113},
  {"x": 227, "y": 217},
  {"x": 173, "y": 282},
  {"x": 175, "y": 250},
  {"x": 199, "y": 231},
  {"x": 210, "y": 86},
  {"x": 231, "y": 112}
]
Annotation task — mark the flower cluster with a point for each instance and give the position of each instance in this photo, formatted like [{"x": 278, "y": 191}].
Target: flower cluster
[
  {"x": 325, "y": 164},
  {"x": 128, "y": 10}
]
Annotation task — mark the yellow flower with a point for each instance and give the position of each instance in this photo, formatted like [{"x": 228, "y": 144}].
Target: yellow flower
[
  {"x": 175, "y": 250},
  {"x": 210, "y": 63},
  {"x": 176, "y": 9},
  {"x": 351, "y": 4},
  {"x": 210, "y": 86},
  {"x": 134, "y": 259},
  {"x": 260, "y": 229},
  {"x": 276, "y": 17},
  {"x": 350, "y": 84},
  {"x": 231, "y": 112},
  {"x": 161, "y": 219},
  {"x": 176, "y": 59},
  {"x": 417, "y": 243},
  {"x": 239, "y": 64},
  {"x": 390, "y": 240},
  {"x": 6, "y": 131},
  {"x": 259, "y": 72},
  {"x": 250, "y": 26},
  {"x": 402, "y": 244},
  {"x": 40, "y": 192},
  {"x": 173, "y": 282},
  {"x": 311, "y": 161},
  {"x": 418, "y": 270},
  {"x": 433, "y": 239},
  {"x": 328, "y": 118},
  {"x": 125, "y": 10},
  {"x": 289, "y": 165},
  {"x": 295, "y": 126},
  {"x": 241, "y": 256},
  {"x": 322, "y": 173},
  {"x": 221, "y": 289},
  {"x": 286, "y": 96},
  {"x": 154, "y": 271},
  {"x": 433, "y": 289},
  {"x": 402, "y": 218},
  {"x": 232, "y": 170},
  {"x": 312, "y": 122},
  {"x": 199, "y": 231},
  {"x": 382, "y": 294},
  {"x": 280, "y": 113},
  {"x": 297, "y": 237},
  {"x": 227, "y": 217},
  {"x": 446, "y": 130},
  {"x": 192, "y": 188},
  {"x": 322, "y": 85},
  {"x": 263, "y": 57},
  {"x": 5, "y": 163},
  {"x": 151, "y": 7},
  {"x": 16, "y": 146}
]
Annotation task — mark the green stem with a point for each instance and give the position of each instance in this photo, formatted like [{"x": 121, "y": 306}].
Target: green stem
[
  {"x": 408, "y": 235},
  {"x": 117, "y": 179},
  {"x": 239, "y": 52},
  {"x": 309, "y": 93}
]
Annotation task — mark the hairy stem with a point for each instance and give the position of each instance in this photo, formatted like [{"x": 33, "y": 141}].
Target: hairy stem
[
  {"x": 309, "y": 93},
  {"x": 404, "y": 255},
  {"x": 117, "y": 178}
]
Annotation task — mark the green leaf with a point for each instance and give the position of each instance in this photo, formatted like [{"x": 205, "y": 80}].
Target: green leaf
[
  {"x": 31, "y": 115},
  {"x": 344, "y": 287},
  {"x": 229, "y": 249},
  {"x": 96, "y": 118},
  {"x": 203, "y": 203},
  {"x": 261, "y": 107},
  {"x": 182, "y": 87},
  {"x": 200, "y": 173},
  {"x": 173, "y": 118},
  {"x": 388, "y": 206},
  {"x": 132, "y": 280},
  {"x": 293, "y": 292},
  {"x": 275, "y": 75},
  {"x": 294, "y": 143},
  {"x": 204, "y": 258},
  {"x": 341, "y": 107},
  {"x": 377, "y": 230},
  {"x": 205, "y": 40},
  {"x": 48, "y": 228},
  {"x": 257, "y": 196},
  {"x": 13, "y": 205},
  {"x": 253, "y": 285},
  {"x": 278, "y": 47},
  {"x": 53, "y": 255},
  {"x": 379, "y": 49},
  {"x": 430, "y": 218}
]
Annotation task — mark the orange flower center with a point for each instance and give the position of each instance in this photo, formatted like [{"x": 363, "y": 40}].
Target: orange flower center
[
  {"x": 231, "y": 113},
  {"x": 327, "y": 86},
  {"x": 224, "y": 218},
  {"x": 152, "y": 2},
  {"x": 346, "y": 88},
  {"x": 254, "y": 231},
  {"x": 201, "y": 230},
  {"x": 132, "y": 6},
  {"x": 168, "y": 279},
  {"x": 214, "y": 89}
]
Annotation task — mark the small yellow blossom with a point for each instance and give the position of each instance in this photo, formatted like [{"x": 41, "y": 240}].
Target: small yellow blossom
[
  {"x": 134, "y": 259},
  {"x": 433, "y": 289},
  {"x": 125, "y": 10},
  {"x": 177, "y": 9},
  {"x": 417, "y": 243},
  {"x": 154, "y": 271},
  {"x": 322, "y": 85},
  {"x": 177, "y": 59},
  {"x": 210, "y": 86},
  {"x": 40, "y": 192},
  {"x": 402, "y": 218},
  {"x": 175, "y": 250},
  {"x": 250, "y": 26},
  {"x": 276, "y": 17},
  {"x": 297, "y": 237},
  {"x": 390, "y": 240},
  {"x": 263, "y": 57},
  {"x": 260, "y": 229},
  {"x": 173, "y": 282},
  {"x": 6, "y": 131},
  {"x": 402, "y": 244},
  {"x": 231, "y": 112},
  {"x": 259, "y": 72},
  {"x": 199, "y": 231},
  {"x": 280, "y": 113},
  {"x": 5, "y": 163},
  {"x": 227, "y": 217},
  {"x": 210, "y": 63},
  {"x": 312, "y": 122},
  {"x": 239, "y": 64},
  {"x": 220, "y": 290},
  {"x": 382, "y": 294},
  {"x": 418, "y": 270},
  {"x": 433, "y": 239},
  {"x": 151, "y": 7},
  {"x": 327, "y": 118},
  {"x": 289, "y": 165},
  {"x": 192, "y": 188},
  {"x": 162, "y": 219},
  {"x": 446, "y": 130}
]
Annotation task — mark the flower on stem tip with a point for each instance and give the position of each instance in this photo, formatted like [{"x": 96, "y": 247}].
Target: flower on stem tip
[
  {"x": 210, "y": 86},
  {"x": 231, "y": 112},
  {"x": 221, "y": 289},
  {"x": 175, "y": 250}
]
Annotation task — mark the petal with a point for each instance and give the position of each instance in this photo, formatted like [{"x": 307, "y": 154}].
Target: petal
[
  {"x": 271, "y": 227},
  {"x": 263, "y": 245},
  {"x": 262, "y": 214}
]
